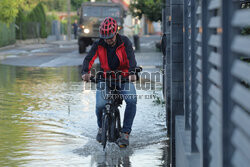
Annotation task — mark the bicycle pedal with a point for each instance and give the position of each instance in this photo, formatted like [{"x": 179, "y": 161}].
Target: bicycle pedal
[{"x": 122, "y": 146}]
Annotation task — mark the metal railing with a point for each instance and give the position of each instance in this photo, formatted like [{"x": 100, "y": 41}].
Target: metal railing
[
  {"x": 7, "y": 34},
  {"x": 28, "y": 30},
  {"x": 207, "y": 82}
]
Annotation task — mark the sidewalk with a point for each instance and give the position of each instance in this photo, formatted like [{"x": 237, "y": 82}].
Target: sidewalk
[
  {"x": 23, "y": 47},
  {"x": 149, "y": 57}
]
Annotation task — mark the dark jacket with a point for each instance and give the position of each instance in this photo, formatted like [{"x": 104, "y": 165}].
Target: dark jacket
[
  {"x": 75, "y": 26},
  {"x": 124, "y": 52}
]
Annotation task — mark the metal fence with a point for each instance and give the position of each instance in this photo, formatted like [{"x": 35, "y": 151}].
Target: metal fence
[
  {"x": 28, "y": 30},
  {"x": 7, "y": 34},
  {"x": 206, "y": 82}
]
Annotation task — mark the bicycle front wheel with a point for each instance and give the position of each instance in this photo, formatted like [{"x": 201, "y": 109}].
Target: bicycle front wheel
[
  {"x": 105, "y": 124},
  {"x": 115, "y": 127}
]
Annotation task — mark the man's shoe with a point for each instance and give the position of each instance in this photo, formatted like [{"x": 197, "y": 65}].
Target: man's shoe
[
  {"x": 99, "y": 135},
  {"x": 123, "y": 141}
]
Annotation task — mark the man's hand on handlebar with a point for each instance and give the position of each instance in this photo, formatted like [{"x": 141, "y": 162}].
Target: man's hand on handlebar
[
  {"x": 131, "y": 78},
  {"x": 86, "y": 77}
]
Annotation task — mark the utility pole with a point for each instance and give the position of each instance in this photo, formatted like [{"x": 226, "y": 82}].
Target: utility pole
[{"x": 69, "y": 22}]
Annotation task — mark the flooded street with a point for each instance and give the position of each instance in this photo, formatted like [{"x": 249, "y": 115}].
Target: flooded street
[{"x": 47, "y": 118}]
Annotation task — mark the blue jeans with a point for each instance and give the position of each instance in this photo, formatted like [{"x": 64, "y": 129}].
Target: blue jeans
[{"x": 131, "y": 100}]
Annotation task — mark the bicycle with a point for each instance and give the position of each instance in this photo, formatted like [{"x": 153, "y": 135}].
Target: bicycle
[{"x": 111, "y": 122}]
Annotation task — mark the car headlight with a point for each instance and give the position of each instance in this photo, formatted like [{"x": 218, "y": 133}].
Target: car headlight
[{"x": 86, "y": 31}]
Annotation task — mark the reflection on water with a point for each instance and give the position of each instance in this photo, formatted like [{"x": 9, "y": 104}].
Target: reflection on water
[{"x": 48, "y": 119}]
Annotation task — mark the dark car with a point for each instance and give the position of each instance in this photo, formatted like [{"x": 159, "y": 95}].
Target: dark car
[{"x": 91, "y": 15}]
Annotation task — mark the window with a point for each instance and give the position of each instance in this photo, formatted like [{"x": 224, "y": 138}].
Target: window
[{"x": 98, "y": 11}]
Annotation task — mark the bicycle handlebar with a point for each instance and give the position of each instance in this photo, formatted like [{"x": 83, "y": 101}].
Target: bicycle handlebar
[
  {"x": 117, "y": 74},
  {"x": 96, "y": 80}
]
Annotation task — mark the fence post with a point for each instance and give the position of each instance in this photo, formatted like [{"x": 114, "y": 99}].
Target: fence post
[
  {"x": 213, "y": 119},
  {"x": 163, "y": 46},
  {"x": 167, "y": 67},
  {"x": 186, "y": 65},
  {"x": 226, "y": 82},
  {"x": 205, "y": 126},
  {"x": 193, "y": 75},
  {"x": 38, "y": 31},
  {"x": 56, "y": 29},
  {"x": 176, "y": 68},
  {"x": 20, "y": 31}
]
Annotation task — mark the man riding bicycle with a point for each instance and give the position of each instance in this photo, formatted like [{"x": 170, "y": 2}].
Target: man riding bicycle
[{"x": 115, "y": 52}]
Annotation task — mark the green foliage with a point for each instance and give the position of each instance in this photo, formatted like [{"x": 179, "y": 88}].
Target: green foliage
[
  {"x": 20, "y": 21},
  {"x": 245, "y": 5},
  {"x": 246, "y": 30},
  {"x": 64, "y": 26},
  {"x": 28, "y": 23},
  {"x": 73, "y": 18},
  {"x": 151, "y": 8},
  {"x": 76, "y": 4},
  {"x": 56, "y": 5},
  {"x": 9, "y": 10},
  {"x": 28, "y": 5},
  {"x": 38, "y": 15},
  {"x": 158, "y": 100},
  {"x": 49, "y": 21},
  {"x": 7, "y": 34}
]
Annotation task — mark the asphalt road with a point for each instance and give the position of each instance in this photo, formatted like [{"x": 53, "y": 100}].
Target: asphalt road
[
  {"x": 65, "y": 53},
  {"x": 44, "y": 55}
]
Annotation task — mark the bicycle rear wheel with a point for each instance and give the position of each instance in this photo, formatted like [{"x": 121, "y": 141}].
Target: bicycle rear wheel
[{"x": 105, "y": 124}]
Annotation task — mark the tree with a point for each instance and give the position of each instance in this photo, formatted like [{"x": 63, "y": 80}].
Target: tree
[
  {"x": 28, "y": 5},
  {"x": 56, "y": 5},
  {"x": 151, "y": 8},
  {"x": 9, "y": 10},
  {"x": 38, "y": 15},
  {"x": 77, "y": 3}
]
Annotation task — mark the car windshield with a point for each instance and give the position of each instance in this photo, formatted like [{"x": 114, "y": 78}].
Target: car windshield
[
  {"x": 112, "y": 12},
  {"x": 98, "y": 11}
]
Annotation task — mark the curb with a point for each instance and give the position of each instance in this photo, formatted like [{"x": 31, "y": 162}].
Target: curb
[
  {"x": 29, "y": 43},
  {"x": 8, "y": 47}
]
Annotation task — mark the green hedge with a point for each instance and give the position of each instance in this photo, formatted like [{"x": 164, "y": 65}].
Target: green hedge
[
  {"x": 7, "y": 34},
  {"x": 49, "y": 21},
  {"x": 20, "y": 20},
  {"x": 38, "y": 15},
  {"x": 33, "y": 24}
]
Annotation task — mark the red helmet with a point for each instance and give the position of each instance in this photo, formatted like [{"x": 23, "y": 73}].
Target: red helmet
[{"x": 108, "y": 28}]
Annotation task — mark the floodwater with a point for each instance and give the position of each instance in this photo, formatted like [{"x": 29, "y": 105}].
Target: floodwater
[{"x": 47, "y": 118}]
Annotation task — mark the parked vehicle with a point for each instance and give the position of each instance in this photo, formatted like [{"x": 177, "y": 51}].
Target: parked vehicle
[{"x": 91, "y": 15}]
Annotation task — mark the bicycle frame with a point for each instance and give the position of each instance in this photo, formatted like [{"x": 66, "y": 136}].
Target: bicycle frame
[
  {"x": 111, "y": 123},
  {"x": 111, "y": 114}
]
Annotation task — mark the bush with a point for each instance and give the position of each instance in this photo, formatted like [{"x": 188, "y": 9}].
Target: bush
[
  {"x": 38, "y": 15},
  {"x": 64, "y": 27},
  {"x": 20, "y": 20},
  {"x": 50, "y": 19},
  {"x": 7, "y": 34},
  {"x": 33, "y": 24}
]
